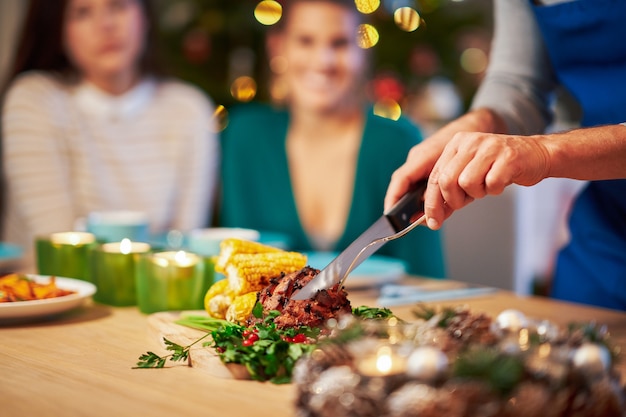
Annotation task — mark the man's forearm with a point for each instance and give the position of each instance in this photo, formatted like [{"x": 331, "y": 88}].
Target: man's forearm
[{"x": 596, "y": 153}]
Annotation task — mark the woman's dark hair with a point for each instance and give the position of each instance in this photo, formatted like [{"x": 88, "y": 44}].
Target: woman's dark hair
[{"x": 40, "y": 44}]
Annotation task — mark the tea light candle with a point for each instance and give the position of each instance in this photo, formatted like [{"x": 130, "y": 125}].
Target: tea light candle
[
  {"x": 383, "y": 363},
  {"x": 125, "y": 247},
  {"x": 64, "y": 254},
  {"x": 72, "y": 238},
  {"x": 113, "y": 271},
  {"x": 177, "y": 259},
  {"x": 172, "y": 280}
]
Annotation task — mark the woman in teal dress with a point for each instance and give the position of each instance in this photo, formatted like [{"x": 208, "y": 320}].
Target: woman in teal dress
[{"x": 317, "y": 168}]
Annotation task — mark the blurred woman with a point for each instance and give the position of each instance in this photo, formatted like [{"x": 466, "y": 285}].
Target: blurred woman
[
  {"x": 90, "y": 124},
  {"x": 317, "y": 169}
]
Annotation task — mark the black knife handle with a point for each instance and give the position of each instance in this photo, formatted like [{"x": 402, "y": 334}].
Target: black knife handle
[{"x": 402, "y": 214}]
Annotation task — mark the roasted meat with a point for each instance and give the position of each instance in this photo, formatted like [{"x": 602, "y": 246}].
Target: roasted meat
[{"x": 326, "y": 304}]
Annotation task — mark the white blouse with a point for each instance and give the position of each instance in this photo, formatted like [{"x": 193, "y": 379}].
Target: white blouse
[{"x": 70, "y": 150}]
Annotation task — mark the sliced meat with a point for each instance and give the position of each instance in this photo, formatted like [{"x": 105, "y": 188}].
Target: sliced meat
[{"x": 326, "y": 304}]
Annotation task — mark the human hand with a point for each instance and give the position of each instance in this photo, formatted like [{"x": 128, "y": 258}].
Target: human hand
[
  {"x": 417, "y": 166},
  {"x": 473, "y": 165}
]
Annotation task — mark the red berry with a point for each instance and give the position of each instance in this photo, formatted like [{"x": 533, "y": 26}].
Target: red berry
[
  {"x": 247, "y": 342},
  {"x": 299, "y": 338},
  {"x": 253, "y": 337},
  {"x": 246, "y": 333}
]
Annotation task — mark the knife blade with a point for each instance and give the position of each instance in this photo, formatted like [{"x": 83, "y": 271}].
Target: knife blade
[{"x": 401, "y": 216}]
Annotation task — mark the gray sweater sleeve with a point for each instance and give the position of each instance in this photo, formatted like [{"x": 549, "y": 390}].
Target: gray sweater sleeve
[{"x": 519, "y": 80}]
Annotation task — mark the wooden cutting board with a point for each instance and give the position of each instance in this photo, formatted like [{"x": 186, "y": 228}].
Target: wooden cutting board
[{"x": 162, "y": 325}]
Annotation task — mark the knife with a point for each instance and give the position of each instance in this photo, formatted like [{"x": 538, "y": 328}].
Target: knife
[{"x": 407, "y": 213}]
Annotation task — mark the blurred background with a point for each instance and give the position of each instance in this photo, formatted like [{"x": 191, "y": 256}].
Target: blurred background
[{"x": 428, "y": 57}]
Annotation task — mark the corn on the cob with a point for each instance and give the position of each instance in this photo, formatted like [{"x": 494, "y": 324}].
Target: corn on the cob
[
  {"x": 241, "y": 307},
  {"x": 252, "y": 272},
  {"x": 218, "y": 287},
  {"x": 218, "y": 298},
  {"x": 233, "y": 246}
]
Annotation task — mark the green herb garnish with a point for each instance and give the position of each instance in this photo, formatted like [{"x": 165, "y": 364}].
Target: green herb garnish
[
  {"x": 268, "y": 353},
  {"x": 426, "y": 313},
  {"x": 179, "y": 353},
  {"x": 365, "y": 312}
]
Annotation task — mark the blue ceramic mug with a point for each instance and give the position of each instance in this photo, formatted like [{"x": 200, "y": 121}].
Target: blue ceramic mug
[{"x": 113, "y": 226}]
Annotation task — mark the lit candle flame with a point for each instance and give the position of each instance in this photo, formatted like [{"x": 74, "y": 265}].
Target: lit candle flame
[
  {"x": 125, "y": 246},
  {"x": 180, "y": 257},
  {"x": 74, "y": 239},
  {"x": 176, "y": 259},
  {"x": 183, "y": 258},
  {"x": 383, "y": 360}
]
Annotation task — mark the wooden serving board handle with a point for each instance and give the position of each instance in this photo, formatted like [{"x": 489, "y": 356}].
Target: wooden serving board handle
[{"x": 162, "y": 325}]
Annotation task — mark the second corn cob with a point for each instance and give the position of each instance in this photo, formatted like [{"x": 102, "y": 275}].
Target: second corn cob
[
  {"x": 252, "y": 272},
  {"x": 218, "y": 298},
  {"x": 241, "y": 307},
  {"x": 234, "y": 246}
]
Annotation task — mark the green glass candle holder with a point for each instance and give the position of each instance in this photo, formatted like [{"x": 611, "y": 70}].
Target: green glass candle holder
[
  {"x": 65, "y": 254},
  {"x": 170, "y": 281},
  {"x": 113, "y": 270}
]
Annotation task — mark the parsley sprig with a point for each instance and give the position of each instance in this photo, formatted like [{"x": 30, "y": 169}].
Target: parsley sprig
[{"x": 179, "y": 354}]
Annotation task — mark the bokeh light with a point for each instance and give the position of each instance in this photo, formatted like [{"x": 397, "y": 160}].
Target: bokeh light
[
  {"x": 177, "y": 15},
  {"x": 268, "y": 12},
  {"x": 367, "y": 6},
  {"x": 243, "y": 88},
  {"x": 367, "y": 36},
  {"x": 219, "y": 121},
  {"x": 388, "y": 108},
  {"x": 474, "y": 60},
  {"x": 407, "y": 18},
  {"x": 197, "y": 46}
]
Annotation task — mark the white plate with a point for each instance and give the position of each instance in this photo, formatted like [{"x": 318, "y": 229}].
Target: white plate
[
  {"x": 375, "y": 270},
  {"x": 49, "y": 306}
]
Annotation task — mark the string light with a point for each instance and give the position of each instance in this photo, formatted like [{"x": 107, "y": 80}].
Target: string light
[
  {"x": 367, "y": 36},
  {"x": 388, "y": 108},
  {"x": 474, "y": 60},
  {"x": 367, "y": 6},
  {"x": 268, "y": 12},
  {"x": 219, "y": 120},
  {"x": 243, "y": 88},
  {"x": 407, "y": 18}
]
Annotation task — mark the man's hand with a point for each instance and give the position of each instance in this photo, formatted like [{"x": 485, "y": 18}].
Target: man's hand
[
  {"x": 424, "y": 160},
  {"x": 474, "y": 165}
]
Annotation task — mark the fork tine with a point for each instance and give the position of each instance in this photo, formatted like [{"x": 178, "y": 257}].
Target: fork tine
[{"x": 384, "y": 239}]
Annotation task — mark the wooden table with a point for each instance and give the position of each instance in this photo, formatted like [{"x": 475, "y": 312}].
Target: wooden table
[{"x": 80, "y": 364}]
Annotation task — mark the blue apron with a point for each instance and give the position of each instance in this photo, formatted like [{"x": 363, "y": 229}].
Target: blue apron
[{"x": 586, "y": 42}]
